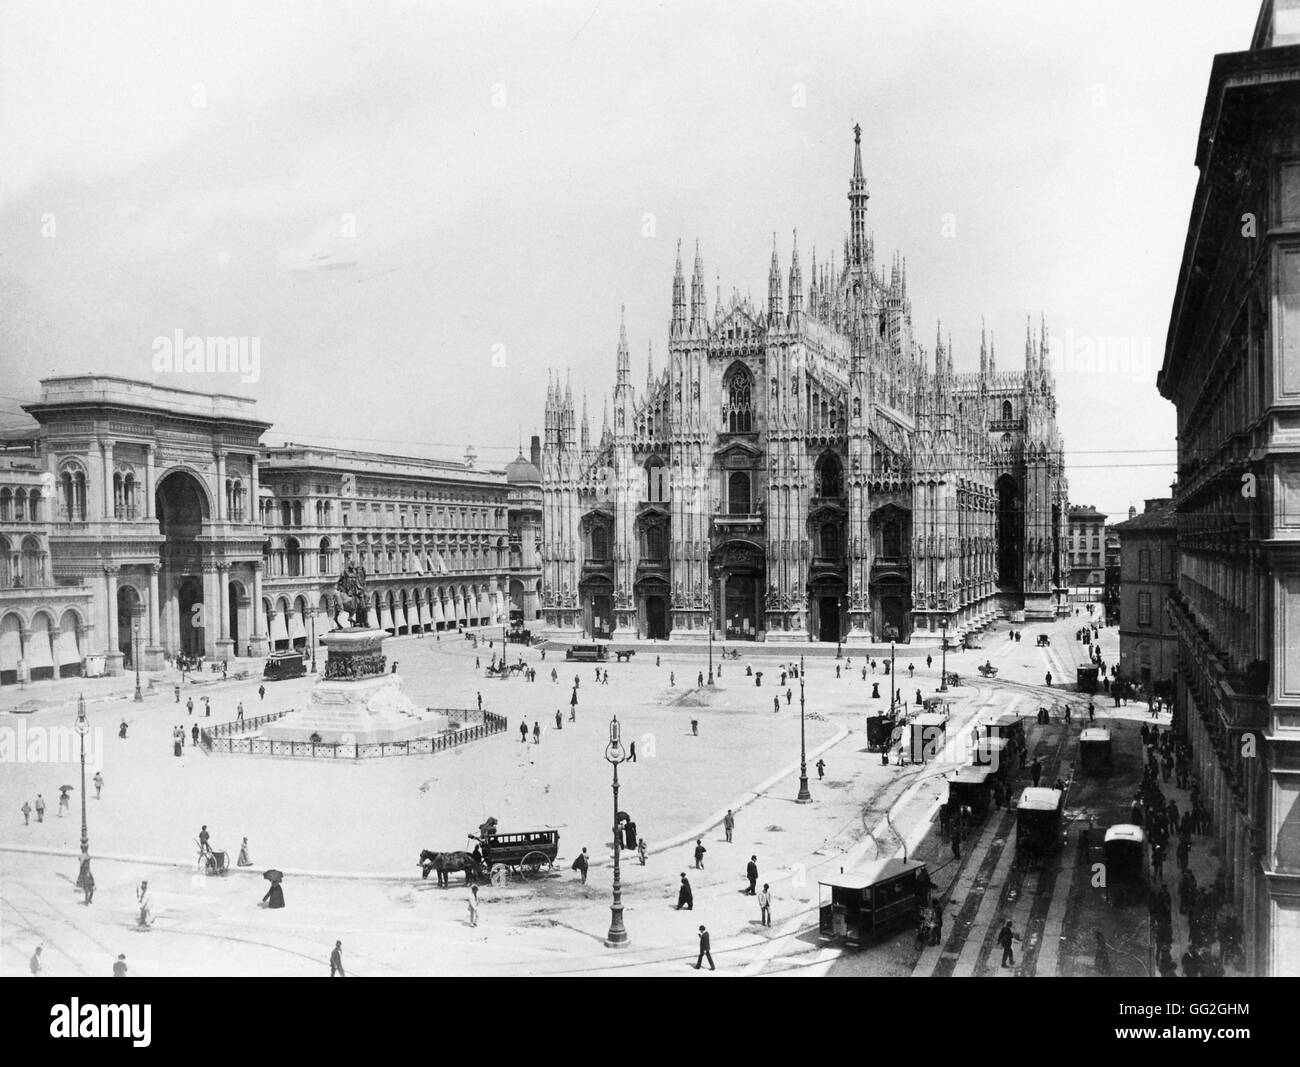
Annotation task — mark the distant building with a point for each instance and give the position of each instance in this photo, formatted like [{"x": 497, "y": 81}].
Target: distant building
[
  {"x": 1086, "y": 546},
  {"x": 1110, "y": 590},
  {"x": 1232, "y": 369},
  {"x": 1148, "y": 643}
]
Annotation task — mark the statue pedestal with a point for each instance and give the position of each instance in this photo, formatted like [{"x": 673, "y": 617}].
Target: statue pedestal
[{"x": 357, "y": 701}]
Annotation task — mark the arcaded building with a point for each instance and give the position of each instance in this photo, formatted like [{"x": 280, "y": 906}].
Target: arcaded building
[{"x": 807, "y": 470}]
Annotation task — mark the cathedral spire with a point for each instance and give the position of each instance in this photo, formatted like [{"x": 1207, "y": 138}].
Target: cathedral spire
[
  {"x": 984, "y": 351},
  {"x": 624, "y": 363},
  {"x": 993, "y": 353},
  {"x": 858, "y": 204},
  {"x": 699, "y": 315},
  {"x": 1029, "y": 345},
  {"x": 796, "y": 282},
  {"x": 586, "y": 430},
  {"x": 774, "y": 286},
  {"x": 649, "y": 367},
  {"x": 678, "y": 325}
]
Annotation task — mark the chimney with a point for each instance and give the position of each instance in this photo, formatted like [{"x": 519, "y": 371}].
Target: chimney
[
  {"x": 1132, "y": 512},
  {"x": 535, "y": 451},
  {"x": 470, "y": 456}
]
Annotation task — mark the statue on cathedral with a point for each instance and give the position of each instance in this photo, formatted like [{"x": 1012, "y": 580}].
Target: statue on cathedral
[{"x": 351, "y": 598}]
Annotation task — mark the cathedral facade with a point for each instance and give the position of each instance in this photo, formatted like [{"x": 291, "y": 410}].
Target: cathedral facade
[{"x": 807, "y": 471}]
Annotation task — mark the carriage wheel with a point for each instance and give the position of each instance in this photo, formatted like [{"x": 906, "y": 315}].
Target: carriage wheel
[
  {"x": 499, "y": 874},
  {"x": 534, "y": 865}
]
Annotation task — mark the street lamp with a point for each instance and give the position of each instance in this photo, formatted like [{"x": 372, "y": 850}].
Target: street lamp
[
  {"x": 892, "y": 676},
  {"x": 83, "y": 727},
  {"x": 615, "y": 755},
  {"x": 313, "y": 641},
  {"x": 711, "y": 632},
  {"x": 943, "y": 679},
  {"x": 839, "y": 626},
  {"x": 135, "y": 655},
  {"x": 804, "y": 796}
]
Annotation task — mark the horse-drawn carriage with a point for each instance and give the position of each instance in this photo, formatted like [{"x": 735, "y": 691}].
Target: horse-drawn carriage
[
  {"x": 504, "y": 670},
  {"x": 988, "y": 670},
  {"x": 530, "y": 855},
  {"x": 624, "y": 655}
]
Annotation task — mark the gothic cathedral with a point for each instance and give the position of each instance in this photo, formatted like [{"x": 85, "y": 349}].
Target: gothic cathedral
[{"x": 807, "y": 472}]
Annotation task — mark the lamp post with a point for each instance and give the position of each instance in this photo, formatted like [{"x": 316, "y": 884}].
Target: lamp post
[
  {"x": 135, "y": 655},
  {"x": 614, "y": 753},
  {"x": 804, "y": 796},
  {"x": 711, "y": 632},
  {"x": 839, "y": 626},
  {"x": 83, "y": 728},
  {"x": 892, "y": 676},
  {"x": 943, "y": 671},
  {"x": 313, "y": 641}
]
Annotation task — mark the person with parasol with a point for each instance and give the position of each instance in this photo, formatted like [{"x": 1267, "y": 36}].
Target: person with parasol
[
  {"x": 64, "y": 790},
  {"x": 275, "y": 895}
]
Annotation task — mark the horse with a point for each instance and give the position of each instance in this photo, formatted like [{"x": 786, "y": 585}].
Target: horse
[{"x": 445, "y": 862}]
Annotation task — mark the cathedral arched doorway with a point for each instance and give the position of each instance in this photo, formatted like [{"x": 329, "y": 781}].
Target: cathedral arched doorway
[
  {"x": 652, "y": 608},
  {"x": 1011, "y": 534},
  {"x": 739, "y": 567}
]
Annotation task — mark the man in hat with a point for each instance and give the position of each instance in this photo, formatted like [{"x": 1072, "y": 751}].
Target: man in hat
[
  {"x": 685, "y": 898},
  {"x": 119, "y": 966},
  {"x": 728, "y": 824},
  {"x": 751, "y": 872},
  {"x": 705, "y": 954},
  {"x": 99, "y": 784},
  {"x": 40, "y": 808},
  {"x": 26, "y": 809},
  {"x": 336, "y": 960}
]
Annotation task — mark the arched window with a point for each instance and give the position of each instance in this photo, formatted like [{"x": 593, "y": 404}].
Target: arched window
[
  {"x": 830, "y": 540},
  {"x": 34, "y": 505},
  {"x": 1007, "y": 411},
  {"x": 599, "y": 543},
  {"x": 656, "y": 542},
  {"x": 892, "y": 540},
  {"x": 20, "y": 506},
  {"x": 297, "y": 512},
  {"x": 292, "y": 558},
  {"x": 656, "y": 477},
  {"x": 738, "y": 493},
  {"x": 286, "y": 512},
  {"x": 828, "y": 478},
  {"x": 739, "y": 409},
  {"x": 323, "y": 556}
]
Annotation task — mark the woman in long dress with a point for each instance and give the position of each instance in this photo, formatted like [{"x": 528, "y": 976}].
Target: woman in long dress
[
  {"x": 243, "y": 860},
  {"x": 473, "y": 905},
  {"x": 274, "y": 896}
]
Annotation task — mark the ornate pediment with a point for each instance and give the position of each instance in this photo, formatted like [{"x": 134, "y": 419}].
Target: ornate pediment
[
  {"x": 738, "y": 453},
  {"x": 737, "y": 325}
]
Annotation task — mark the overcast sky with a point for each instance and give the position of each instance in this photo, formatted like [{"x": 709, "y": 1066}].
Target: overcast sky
[{"x": 396, "y": 198}]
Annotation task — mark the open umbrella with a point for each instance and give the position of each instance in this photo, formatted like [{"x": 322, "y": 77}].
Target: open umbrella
[
  {"x": 65, "y": 789},
  {"x": 273, "y": 875}
]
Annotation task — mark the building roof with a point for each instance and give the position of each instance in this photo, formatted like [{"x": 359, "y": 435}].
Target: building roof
[
  {"x": 1084, "y": 512},
  {"x": 522, "y": 471},
  {"x": 1160, "y": 516}
]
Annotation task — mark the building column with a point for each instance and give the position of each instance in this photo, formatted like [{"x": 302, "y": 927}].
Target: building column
[
  {"x": 112, "y": 655},
  {"x": 148, "y": 508},
  {"x": 153, "y": 660},
  {"x": 224, "y": 645},
  {"x": 106, "y": 451},
  {"x": 221, "y": 486},
  {"x": 259, "y": 641}
]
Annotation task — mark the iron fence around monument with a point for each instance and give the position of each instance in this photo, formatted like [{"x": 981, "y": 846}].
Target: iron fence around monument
[{"x": 231, "y": 738}]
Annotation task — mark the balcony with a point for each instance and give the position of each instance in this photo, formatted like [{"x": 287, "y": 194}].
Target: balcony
[{"x": 129, "y": 512}]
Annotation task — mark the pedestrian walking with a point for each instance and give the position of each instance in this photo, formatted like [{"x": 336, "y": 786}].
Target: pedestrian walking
[
  {"x": 87, "y": 883},
  {"x": 695, "y": 727},
  {"x": 243, "y": 860},
  {"x": 1049, "y": 679},
  {"x": 207, "y": 708},
  {"x": 261, "y": 692},
  {"x": 537, "y": 733},
  {"x": 705, "y": 954},
  {"x": 1158, "y": 862},
  {"x": 928, "y": 660},
  {"x": 189, "y": 706},
  {"x": 699, "y": 854},
  {"x": 40, "y": 808},
  {"x": 1092, "y": 711},
  {"x": 910, "y": 670},
  {"x": 765, "y": 906},
  {"x": 751, "y": 872},
  {"x": 821, "y": 769},
  {"x": 776, "y": 702},
  {"x": 1036, "y": 770},
  {"x": 26, "y": 809},
  {"x": 631, "y": 752},
  {"x": 1183, "y": 852},
  {"x": 685, "y": 898},
  {"x": 641, "y": 850},
  {"x": 699, "y": 682},
  {"x": 145, "y": 900},
  {"x": 336, "y": 960},
  {"x": 580, "y": 865},
  {"x": 194, "y": 733},
  {"x": 523, "y": 732},
  {"x": 473, "y": 905},
  {"x": 480, "y": 701},
  {"x": 239, "y": 712},
  {"x": 788, "y": 695},
  {"x": 672, "y": 678},
  {"x": 1006, "y": 939},
  {"x": 35, "y": 964}
]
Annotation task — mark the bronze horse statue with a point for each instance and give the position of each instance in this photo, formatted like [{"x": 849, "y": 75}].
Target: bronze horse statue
[
  {"x": 446, "y": 862},
  {"x": 351, "y": 596}
]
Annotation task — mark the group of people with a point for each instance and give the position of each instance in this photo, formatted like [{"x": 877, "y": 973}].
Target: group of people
[
  {"x": 178, "y": 738},
  {"x": 64, "y": 801}
]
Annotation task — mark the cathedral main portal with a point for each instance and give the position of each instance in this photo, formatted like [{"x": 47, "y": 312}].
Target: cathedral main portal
[{"x": 740, "y": 571}]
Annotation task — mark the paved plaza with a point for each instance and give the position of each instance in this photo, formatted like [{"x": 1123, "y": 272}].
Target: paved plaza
[{"x": 348, "y": 833}]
